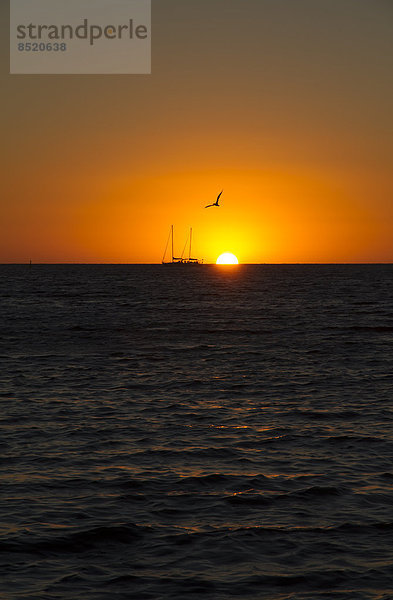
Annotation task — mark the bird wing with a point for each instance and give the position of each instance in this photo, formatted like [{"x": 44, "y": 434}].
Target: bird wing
[
  {"x": 209, "y": 205},
  {"x": 218, "y": 197}
]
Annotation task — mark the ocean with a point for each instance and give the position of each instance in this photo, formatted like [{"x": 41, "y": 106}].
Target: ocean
[{"x": 196, "y": 432}]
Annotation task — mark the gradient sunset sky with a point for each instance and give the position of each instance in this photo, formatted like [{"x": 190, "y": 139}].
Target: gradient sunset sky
[{"x": 284, "y": 104}]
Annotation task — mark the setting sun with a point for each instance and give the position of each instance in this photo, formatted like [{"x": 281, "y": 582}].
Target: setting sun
[{"x": 227, "y": 259}]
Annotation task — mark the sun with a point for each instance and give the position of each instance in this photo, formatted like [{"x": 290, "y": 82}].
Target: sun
[{"x": 227, "y": 259}]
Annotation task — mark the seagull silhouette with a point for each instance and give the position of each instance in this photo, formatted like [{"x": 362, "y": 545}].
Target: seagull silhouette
[{"x": 216, "y": 202}]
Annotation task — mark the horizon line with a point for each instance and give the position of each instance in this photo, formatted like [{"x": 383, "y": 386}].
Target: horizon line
[{"x": 28, "y": 264}]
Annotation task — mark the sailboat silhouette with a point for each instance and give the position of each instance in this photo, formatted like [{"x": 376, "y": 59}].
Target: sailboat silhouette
[{"x": 179, "y": 260}]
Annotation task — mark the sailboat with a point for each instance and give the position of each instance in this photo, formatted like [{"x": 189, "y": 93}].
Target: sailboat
[
  {"x": 180, "y": 260},
  {"x": 190, "y": 260}
]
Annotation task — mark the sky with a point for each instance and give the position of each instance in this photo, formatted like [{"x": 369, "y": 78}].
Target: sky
[{"x": 286, "y": 105}]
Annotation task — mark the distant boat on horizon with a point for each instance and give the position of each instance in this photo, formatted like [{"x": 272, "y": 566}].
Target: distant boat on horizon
[{"x": 180, "y": 260}]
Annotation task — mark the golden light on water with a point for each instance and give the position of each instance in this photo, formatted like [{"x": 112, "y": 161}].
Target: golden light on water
[{"x": 227, "y": 259}]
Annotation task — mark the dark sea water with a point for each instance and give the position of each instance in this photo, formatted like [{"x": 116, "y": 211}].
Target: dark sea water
[{"x": 196, "y": 432}]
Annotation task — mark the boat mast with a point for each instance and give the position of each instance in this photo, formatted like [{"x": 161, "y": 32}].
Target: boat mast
[
  {"x": 189, "y": 252},
  {"x": 172, "y": 243}
]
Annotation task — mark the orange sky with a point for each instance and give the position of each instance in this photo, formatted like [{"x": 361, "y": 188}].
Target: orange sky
[{"x": 286, "y": 105}]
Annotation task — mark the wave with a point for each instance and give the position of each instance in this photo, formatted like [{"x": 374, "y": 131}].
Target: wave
[
  {"x": 80, "y": 541},
  {"x": 310, "y": 493}
]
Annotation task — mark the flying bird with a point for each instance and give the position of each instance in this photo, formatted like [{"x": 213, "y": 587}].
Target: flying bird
[{"x": 216, "y": 202}]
